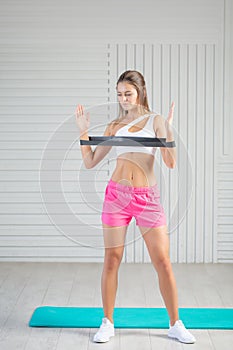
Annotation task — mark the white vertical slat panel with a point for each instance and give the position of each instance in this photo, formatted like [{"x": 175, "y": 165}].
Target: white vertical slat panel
[
  {"x": 170, "y": 99},
  {"x": 180, "y": 73},
  {"x": 209, "y": 125},
  {"x": 191, "y": 149},
  {"x": 227, "y": 146},
  {"x": 200, "y": 152},
  {"x": 148, "y": 71},
  {"x": 217, "y": 74}
]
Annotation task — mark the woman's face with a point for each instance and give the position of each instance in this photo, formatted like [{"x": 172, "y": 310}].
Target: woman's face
[{"x": 127, "y": 95}]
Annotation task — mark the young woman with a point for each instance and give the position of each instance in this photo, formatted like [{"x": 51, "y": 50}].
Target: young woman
[{"x": 132, "y": 191}]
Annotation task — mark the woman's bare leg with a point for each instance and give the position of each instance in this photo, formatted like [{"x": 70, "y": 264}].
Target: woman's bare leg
[
  {"x": 157, "y": 242},
  {"x": 114, "y": 238}
]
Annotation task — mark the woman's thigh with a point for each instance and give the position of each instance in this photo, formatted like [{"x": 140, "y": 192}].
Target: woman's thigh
[
  {"x": 114, "y": 237},
  {"x": 157, "y": 242}
]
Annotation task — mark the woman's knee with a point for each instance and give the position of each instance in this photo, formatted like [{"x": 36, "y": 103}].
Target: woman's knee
[
  {"x": 112, "y": 258},
  {"x": 163, "y": 263}
]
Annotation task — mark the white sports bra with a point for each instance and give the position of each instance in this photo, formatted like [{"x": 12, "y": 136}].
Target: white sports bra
[{"x": 146, "y": 131}]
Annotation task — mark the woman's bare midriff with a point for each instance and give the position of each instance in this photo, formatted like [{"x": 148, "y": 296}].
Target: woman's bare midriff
[{"x": 135, "y": 169}]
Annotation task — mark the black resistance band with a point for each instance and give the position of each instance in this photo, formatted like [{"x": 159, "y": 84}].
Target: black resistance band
[{"x": 125, "y": 141}]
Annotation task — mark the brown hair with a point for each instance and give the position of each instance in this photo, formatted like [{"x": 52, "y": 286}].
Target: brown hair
[{"x": 136, "y": 79}]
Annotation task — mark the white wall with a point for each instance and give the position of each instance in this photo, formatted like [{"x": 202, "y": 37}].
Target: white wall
[{"x": 57, "y": 54}]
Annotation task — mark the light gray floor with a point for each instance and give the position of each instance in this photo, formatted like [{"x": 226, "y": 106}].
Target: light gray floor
[{"x": 24, "y": 286}]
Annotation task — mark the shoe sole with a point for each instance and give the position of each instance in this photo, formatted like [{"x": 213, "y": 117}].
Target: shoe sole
[
  {"x": 184, "y": 342},
  {"x": 103, "y": 341}
]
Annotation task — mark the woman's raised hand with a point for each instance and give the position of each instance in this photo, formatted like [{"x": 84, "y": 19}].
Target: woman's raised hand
[
  {"x": 170, "y": 114},
  {"x": 82, "y": 119}
]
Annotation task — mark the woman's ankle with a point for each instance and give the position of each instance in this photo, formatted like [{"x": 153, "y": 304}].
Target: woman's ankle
[
  {"x": 173, "y": 321},
  {"x": 110, "y": 318}
]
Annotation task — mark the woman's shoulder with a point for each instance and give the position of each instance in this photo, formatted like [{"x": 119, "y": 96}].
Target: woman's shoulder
[
  {"x": 111, "y": 126},
  {"x": 154, "y": 114},
  {"x": 158, "y": 120}
]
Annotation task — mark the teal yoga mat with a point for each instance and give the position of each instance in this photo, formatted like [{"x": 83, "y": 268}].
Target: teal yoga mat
[{"x": 91, "y": 317}]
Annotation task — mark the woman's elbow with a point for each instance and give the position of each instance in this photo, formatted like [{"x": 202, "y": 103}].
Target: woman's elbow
[
  {"x": 88, "y": 165},
  {"x": 171, "y": 165}
]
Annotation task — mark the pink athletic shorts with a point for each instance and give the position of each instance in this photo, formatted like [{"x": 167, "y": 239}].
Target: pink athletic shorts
[{"x": 122, "y": 202}]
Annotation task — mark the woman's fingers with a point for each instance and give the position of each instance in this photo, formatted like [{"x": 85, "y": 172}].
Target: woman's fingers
[
  {"x": 79, "y": 110},
  {"x": 172, "y": 108}
]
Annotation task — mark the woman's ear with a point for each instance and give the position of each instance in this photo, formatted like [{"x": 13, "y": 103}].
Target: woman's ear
[{"x": 144, "y": 91}]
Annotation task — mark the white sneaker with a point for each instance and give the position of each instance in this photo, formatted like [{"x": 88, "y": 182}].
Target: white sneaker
[
  {"x": 105, "y": 331},
  {"x": 178, "y": 331}
]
